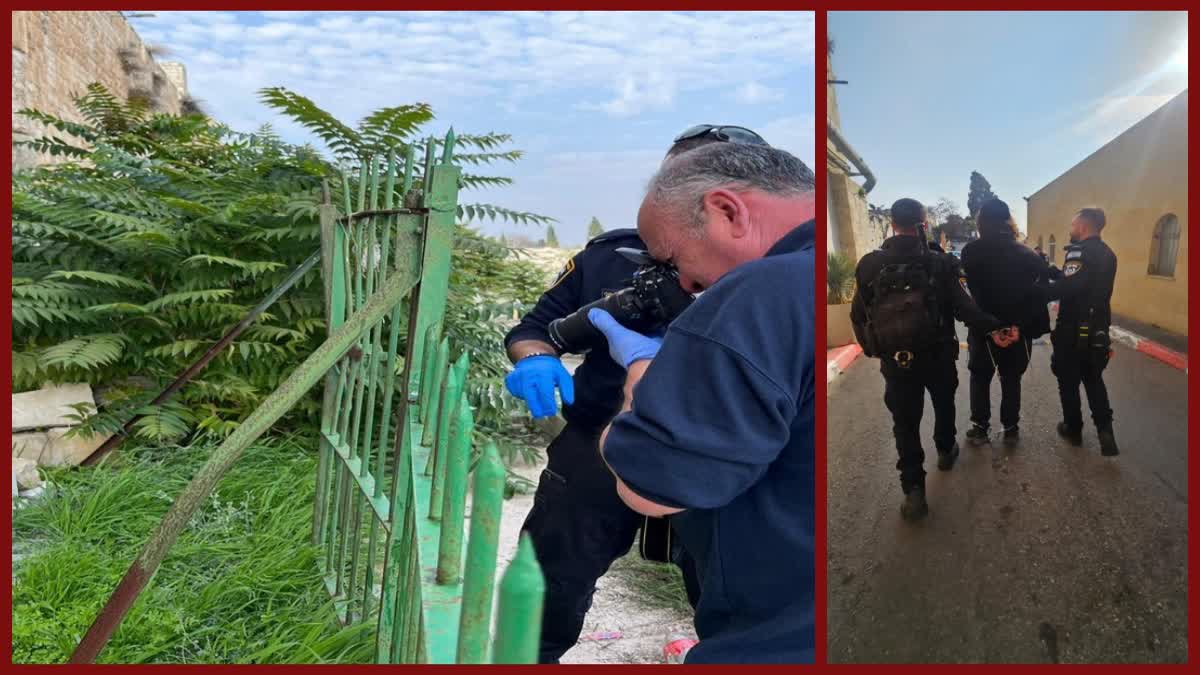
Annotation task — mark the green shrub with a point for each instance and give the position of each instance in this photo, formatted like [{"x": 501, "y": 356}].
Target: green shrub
[
  {"x": 839, "y": 279},
  {"x": 160, "y": 232}
]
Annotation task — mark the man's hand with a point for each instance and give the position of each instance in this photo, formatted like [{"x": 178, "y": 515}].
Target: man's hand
[
  {"x": 1006, "y": 336},
  {"x": 533, "y": 381},
  {"x": 625, "y": 346}
]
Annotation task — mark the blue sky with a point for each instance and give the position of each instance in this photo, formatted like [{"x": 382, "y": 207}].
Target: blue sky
[
  {"x": 593, "y": 98},
  {"x": 1020, "y": 97}
]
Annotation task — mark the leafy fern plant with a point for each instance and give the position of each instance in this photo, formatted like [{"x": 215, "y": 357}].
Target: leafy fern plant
[{"x": 159, "y": 232}]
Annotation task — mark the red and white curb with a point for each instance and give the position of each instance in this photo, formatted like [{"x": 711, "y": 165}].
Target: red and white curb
[
  {"x": 840, "y": 358},
  {"x": 1149, "y": 348}
]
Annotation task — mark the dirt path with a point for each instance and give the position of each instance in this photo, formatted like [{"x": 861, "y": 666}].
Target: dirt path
[
  {"x": 617, "y": 605},
  {"x": 1044, "y": 553}
]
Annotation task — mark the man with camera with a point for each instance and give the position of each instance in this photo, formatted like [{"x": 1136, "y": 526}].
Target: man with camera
[
  {"x": 717, "y": 426},
  {"x": 906, "y": 298},
  {"x": 578, "y": 524},
  {"x": 1002, "y": 275}
]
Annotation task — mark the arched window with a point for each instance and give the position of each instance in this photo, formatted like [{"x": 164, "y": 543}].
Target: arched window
[
  {"x": 1050, "y": 252},
  {"x": 1164, "y": 247}
]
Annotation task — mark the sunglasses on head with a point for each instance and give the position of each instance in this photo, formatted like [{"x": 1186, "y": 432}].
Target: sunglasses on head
[{"x": 729, "y": 134}]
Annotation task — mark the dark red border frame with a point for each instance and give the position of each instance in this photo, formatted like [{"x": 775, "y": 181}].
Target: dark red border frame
[{"x": 819, "y": 7}]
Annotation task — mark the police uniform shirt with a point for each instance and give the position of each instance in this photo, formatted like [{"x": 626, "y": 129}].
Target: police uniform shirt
[
  {"x": 592, "y": 273},
  {"x": 953, "y": 295},
  {"x": 1086, "y": 285},
  {"x": 722, "y": 426}
]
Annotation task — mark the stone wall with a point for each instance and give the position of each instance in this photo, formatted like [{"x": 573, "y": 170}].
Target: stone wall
[
  {"x": 849, "y": 228},
  {"x": 1137, "y": 178},
  {"x": 57, "y": 54}
]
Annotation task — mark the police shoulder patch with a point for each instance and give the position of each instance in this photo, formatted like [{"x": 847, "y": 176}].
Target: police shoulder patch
[
  {"x": 566, "y": 271},
  {"x": 1072, "y": 267}
]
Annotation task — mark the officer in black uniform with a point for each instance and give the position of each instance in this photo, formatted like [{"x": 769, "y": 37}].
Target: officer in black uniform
[
  {"x": 907, "y": 375},
  {"x": 1002, "y": 275},
  {"x": 1081, "y": 342},
  {"x": 578, "y": 524}
]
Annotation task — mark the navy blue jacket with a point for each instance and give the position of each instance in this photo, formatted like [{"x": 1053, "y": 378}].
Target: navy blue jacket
[
  {"x": 592, "y": 273},
  {"x": 722, "y": 426}
]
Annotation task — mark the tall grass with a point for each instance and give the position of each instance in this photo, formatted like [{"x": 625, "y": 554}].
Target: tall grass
[{"x": 240, "y": 586}]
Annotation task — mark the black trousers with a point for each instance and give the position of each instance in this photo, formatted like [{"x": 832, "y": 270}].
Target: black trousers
[
  {"x": 904, "y": 395},
  {"x": 1074, "y": 366},
  {"x": 985, "y": 359},
  {"x": 579, "y": 527}
]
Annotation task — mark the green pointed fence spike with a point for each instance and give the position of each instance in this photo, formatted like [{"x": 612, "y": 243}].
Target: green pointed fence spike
[
  {"x": 448, "y": 147},
  {"x": 362, "y": 186},
  {"x": 410, "y": 160},
  {"x": 454, "y": 498},
  {"x": 390, "y": 193},
  {"x": 373, "y": 172},
  {"x": 447, "y": 410},
  {"x": 519, "y": 619},
  {"x": 428, "y": 168},
  {"x": 487, "y": 502},
  {"x": 348, "y": 205},
  {"x": 425, "y": 381},
  {"x": 439, "y": 374}
]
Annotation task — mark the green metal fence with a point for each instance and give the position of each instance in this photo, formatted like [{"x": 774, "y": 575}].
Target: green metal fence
[{"x": 394, "y": 465}]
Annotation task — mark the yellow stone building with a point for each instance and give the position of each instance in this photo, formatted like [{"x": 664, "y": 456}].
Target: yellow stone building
[{"x": 1140, "y": 180}]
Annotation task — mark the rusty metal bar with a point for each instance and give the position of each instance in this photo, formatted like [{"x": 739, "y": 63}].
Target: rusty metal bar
[
  {"x": 275, "y": 406},
  {"x": 272, "y": 297}
]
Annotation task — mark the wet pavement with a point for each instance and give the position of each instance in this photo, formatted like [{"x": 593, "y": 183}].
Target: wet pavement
[{"x": 1043, "y": 553}]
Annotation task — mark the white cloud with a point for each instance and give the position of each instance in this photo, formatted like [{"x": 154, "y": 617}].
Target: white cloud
[
  {"x": 752, "y": 93},
  {"x": 795, "y": 133},
  {"x": 651, "y": 72},
  {"x": 644, "y": 60}
]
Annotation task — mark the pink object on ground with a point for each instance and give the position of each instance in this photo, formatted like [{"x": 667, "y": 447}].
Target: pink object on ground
[
  {"x": 838, "y": 359},
  {"x": 676, "y": 649}
]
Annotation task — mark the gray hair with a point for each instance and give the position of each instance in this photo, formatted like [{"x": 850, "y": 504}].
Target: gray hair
[{"x": 682, "y": 181}]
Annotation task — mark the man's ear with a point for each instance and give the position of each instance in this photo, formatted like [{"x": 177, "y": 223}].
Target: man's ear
[{"x": 727, "y": 209}]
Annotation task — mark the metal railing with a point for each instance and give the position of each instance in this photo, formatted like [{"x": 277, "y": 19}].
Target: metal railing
[{"x": 396, "y": 442}]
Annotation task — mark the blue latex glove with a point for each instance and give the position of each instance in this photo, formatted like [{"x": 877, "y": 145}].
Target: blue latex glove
[
  {"x": 533, "y": 381},
  {"x": 624, "y": 346}
]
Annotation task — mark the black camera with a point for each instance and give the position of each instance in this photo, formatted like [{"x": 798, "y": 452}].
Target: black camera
[{"x": 652, "y": 300}]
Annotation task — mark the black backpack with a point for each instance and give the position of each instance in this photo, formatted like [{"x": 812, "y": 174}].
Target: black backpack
[{"x": 904, "y": 315}]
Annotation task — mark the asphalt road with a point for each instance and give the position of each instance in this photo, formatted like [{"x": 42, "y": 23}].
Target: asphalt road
[{"x": 1043, "y": 553}]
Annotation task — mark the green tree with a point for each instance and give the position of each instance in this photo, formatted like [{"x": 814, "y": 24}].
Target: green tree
[
  {"x": 160, "y": 232},
  {"x": 979, "y": 192},
  {"x": 595, "y": 229},
  {"x": 551, "y": 237}
]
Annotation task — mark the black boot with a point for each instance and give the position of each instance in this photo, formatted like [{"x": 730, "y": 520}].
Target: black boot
[
  {"x": 1073, "y": 436},
  {"x": 1108, "y": 442},
  {"x": 914, "y": 507},
  {"x": 977, "y": 435},
  {"x": 1012, "y": 436},
  {"x": 946, "y": 459}
]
